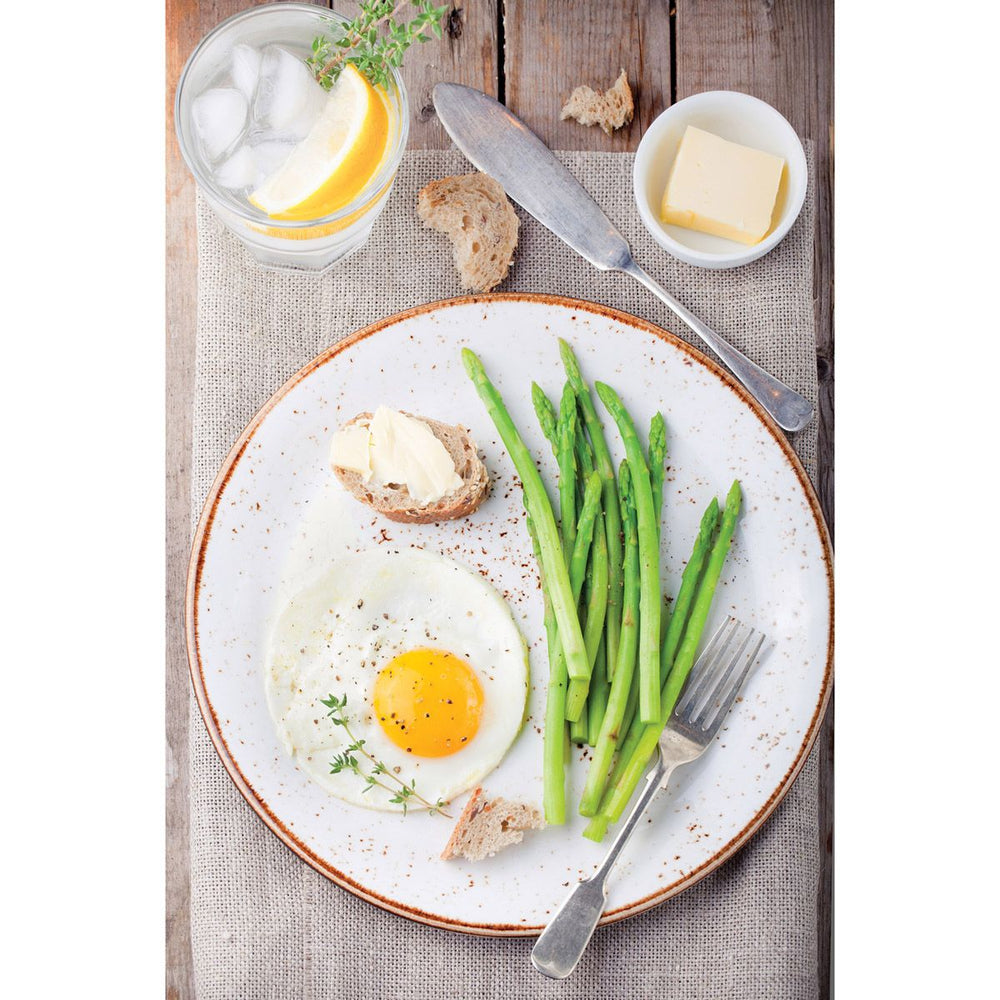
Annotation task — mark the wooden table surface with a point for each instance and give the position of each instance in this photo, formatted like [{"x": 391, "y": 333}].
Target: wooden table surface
[{"x": 529, "y": 54}]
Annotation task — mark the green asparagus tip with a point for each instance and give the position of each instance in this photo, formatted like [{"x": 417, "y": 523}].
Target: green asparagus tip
[
  {"x": 624, "y": 481},
  {"x": 568, "y": 403},
  {"x": 545, "y": 412},
  {"x": 657, "y": 432},
  {"x": 734, "y": 497},
  {"x": 711, "y": 514},
  {"x": 473, "y": 365},
  {"x": 570, "y": 364}
]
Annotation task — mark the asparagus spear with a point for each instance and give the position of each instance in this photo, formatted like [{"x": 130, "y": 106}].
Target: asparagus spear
[
  {"x": 612, "y": 518},
  {"x": 689, "y": 587},
  {"x": 630, "y": 706},
  {"x": 703, "y": 600},
  {"x": 597, "y": 603},
  {"x": 585, "y": 533},
  {"x": 566, "y": 457},
  {"x": 590, "y": 503},
  {"x": 666, "y": 616},
  {"x": 633, "y": 770},
  {"x": 584, "y": 451},
  {"x": 579, "y": 730},
  {"x": 554, "y": 736},
  {"x": 592, "y": 614},
  {"x": 597, "y": 695},
  {"x": 649, "y": 558},
  {"x": 657, "y": 458},
  {"x": 576, "y": 691},
  {"x": 547, "y": 416},
  {"x": 553, "y": 564},
  {"x": 622, "y": 689}
]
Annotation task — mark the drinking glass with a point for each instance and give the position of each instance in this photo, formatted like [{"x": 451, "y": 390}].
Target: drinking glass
[{"x": 314, "y": 244}]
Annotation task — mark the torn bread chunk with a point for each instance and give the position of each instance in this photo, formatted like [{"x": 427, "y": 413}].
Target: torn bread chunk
[
  {"x": 472, "y": 210},
  {"x": 611, "y": 110},
  {"x": 489, "y": 825}
]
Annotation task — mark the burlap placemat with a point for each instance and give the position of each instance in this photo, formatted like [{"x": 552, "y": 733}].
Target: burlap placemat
[{"x": 264, "y": 924}]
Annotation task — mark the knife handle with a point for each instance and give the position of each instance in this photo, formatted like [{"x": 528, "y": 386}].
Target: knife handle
[{"x": 789, "y": 410}]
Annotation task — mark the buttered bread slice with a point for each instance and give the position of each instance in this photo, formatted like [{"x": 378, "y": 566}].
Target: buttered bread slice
[{"x": 369, "y": 467}]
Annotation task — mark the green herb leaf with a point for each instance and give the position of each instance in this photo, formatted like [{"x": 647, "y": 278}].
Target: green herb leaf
[
  {"x": 359, "y": 41},
  {"x": 347, "y": 761}
]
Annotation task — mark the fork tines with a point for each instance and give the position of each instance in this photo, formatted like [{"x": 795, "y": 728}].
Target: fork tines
[{"x": 718, "y": 675}]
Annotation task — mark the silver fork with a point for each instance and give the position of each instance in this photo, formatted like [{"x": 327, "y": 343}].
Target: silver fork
[{"x": 711, "y": 689}]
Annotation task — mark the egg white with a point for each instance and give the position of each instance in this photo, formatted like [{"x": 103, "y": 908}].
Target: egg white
[{"x": 336, "y": 635}]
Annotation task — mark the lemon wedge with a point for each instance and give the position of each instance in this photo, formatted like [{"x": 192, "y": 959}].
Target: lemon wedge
[{"x": 339, "y": 156}]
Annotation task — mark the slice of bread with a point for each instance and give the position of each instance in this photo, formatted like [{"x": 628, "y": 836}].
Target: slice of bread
[
  {"x": 394, "y": 501},
  {"x": 610, "y": 110},
  {"x": 472, "y": 210},
  {"x": 488, "y": 826}
]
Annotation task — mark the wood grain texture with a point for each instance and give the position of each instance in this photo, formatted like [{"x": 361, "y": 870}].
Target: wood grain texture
[{"x": 552, "y": 47}]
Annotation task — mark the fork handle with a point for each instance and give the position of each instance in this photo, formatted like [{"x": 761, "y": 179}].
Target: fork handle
[{"x": 560, "y": 946}]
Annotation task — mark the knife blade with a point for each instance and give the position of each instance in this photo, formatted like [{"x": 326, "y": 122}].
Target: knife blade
[{"x": 498, "y": 143}]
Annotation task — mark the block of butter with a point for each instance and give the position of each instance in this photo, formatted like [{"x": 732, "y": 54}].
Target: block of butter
[{"x": 721, "y": 187}]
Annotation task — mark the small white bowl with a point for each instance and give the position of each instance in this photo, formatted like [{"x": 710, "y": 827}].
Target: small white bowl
[{"x": 738, "y": 118}]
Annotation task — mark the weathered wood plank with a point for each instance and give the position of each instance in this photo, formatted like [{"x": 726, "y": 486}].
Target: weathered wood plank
[
  {"x": 551, "y": 48},
  {"x": 782, "y": 52}
]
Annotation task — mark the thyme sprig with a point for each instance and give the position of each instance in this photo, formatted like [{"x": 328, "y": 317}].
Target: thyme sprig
[
  {"x": 375, "y": 42},
  {"x": 347, "y": 760}
]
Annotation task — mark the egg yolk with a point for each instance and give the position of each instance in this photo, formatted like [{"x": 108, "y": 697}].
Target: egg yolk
[{"x": 428, "y": 702}]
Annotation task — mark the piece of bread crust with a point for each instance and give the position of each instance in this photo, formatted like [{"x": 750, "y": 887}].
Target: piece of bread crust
[
  {"x": 488, "y": 826},
  {"x": 611, "y": 110},
  {"x": 395, "y": 502},
  {"x": 472, "y": 210}
]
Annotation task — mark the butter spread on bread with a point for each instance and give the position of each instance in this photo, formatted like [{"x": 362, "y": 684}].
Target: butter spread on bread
[{"x": 409, "y": 468}]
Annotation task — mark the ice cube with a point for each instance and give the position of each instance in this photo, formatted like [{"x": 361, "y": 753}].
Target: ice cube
[
  {"x": 269, "y": 157},
  {"x": 246, "y": 70},
  {"x": 289, "y": 100},
  {"x": 220, "y": 118},
  {"x": 239, "y": 171}
]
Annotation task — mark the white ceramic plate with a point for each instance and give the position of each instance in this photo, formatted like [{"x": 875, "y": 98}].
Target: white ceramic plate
[{"x": 276, "y": 515}]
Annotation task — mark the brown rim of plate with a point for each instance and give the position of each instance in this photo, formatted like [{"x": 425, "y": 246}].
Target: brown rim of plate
[{"x": 201, "y": 539}]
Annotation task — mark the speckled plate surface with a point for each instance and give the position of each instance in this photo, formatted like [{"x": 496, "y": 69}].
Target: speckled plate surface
[{"x": 276, "y": 516}]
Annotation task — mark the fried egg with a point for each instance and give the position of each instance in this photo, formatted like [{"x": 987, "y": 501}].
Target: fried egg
[{"x": 434, "y": 669}]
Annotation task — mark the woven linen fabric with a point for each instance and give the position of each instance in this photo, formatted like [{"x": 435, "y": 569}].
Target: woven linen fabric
[{"x": 266, "y": 926}]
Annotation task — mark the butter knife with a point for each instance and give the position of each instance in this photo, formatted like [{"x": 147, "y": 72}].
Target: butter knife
[{"x": 501, "y": 145}]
